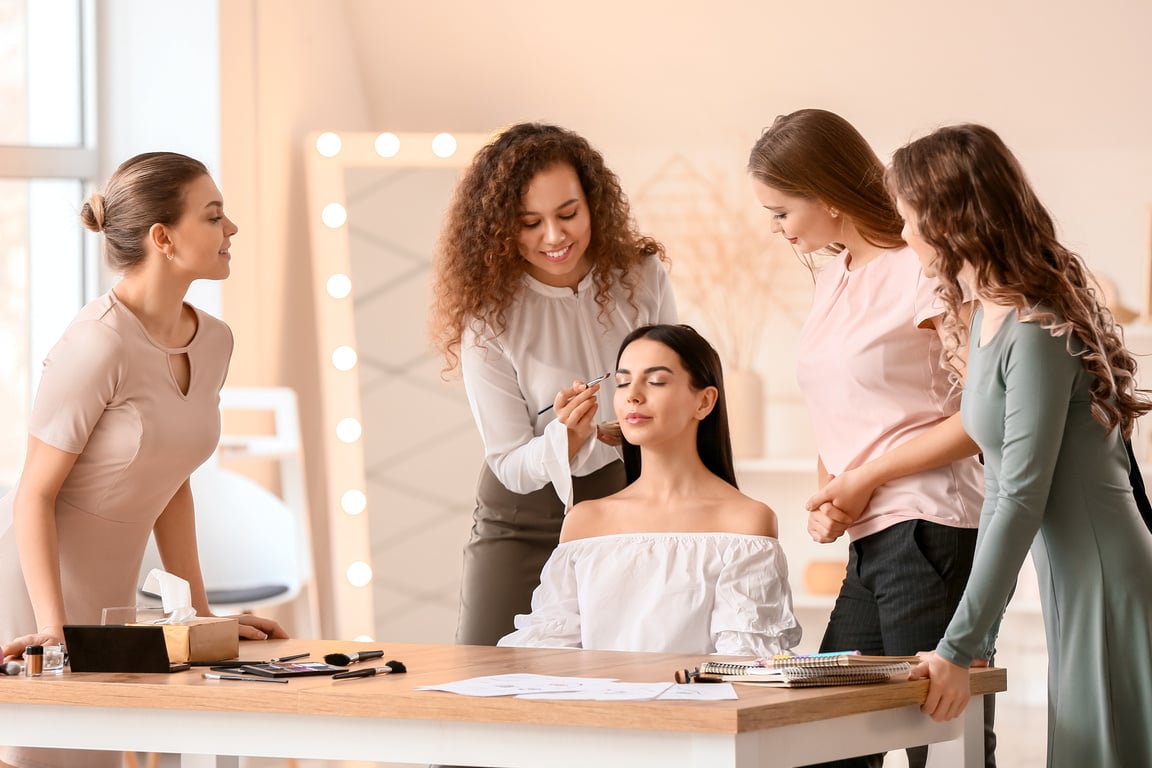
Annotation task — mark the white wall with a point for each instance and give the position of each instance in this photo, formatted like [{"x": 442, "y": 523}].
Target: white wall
[
  {"x": 645, "y": 80},
  {"x": 159, "y": 86},
  {"x": 1065, "y": 84}
]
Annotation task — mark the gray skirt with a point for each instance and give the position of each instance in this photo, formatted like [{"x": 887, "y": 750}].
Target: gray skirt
[{"x": 513, "y": 534}]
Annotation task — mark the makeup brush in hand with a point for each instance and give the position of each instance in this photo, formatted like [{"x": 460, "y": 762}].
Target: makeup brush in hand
[
  {"x": 344, "y": 659},
  {"x": 390, "y": 668}
]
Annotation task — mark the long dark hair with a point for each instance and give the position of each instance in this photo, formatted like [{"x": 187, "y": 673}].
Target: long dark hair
[
  {"x": 700, "y": 360},
  {"x": 974, "y": 205}
]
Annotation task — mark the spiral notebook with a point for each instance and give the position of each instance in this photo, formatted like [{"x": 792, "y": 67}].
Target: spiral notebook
[
  {"x": 809, "y": 677},
  {"x": 849, "y": 659}
]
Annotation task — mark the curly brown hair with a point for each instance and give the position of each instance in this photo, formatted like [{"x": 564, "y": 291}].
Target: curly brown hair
[
  {"x": 974, "y": 205},
  {"x": 478, "y": 267}
]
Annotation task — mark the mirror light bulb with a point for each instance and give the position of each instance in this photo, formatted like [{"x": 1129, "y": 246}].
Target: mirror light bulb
[
  {"x": 328, "y": 144},
  {"x": 359, "y": 573},
  {"x": 339, "y": 285},
  {"x": 353, "y": 502},
  {"x": 344, "y": 358},
  {"x": 387, "y": 145},
  {"x": 348, "y": 430},
  {"x": 444, "y": 145},
  {"x": 334, "y": 215}
]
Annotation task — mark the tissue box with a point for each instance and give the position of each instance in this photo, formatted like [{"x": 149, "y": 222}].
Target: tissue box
[{"x": 202, "y": 639}]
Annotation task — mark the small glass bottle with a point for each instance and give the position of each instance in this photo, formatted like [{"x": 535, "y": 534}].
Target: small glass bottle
[{"x": 33, "y": 661}]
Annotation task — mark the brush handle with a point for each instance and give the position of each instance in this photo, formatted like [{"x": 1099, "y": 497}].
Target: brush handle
[{"x": 364, "y": 656}]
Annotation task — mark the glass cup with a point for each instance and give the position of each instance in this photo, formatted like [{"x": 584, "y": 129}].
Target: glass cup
[{"x": 53, "y": 659}]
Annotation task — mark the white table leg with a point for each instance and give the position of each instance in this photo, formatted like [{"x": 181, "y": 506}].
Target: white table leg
[{"x": 968, "y": 750}]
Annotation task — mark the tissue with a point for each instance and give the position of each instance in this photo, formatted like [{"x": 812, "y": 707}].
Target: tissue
[
  {"x": 175, "y": 595},
  {"x": 187, "y": 637}
]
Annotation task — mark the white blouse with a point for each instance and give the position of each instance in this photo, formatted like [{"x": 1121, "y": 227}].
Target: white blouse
[
  {"x": 701, "y": 593},
  {"x": 552, "y": 337}
]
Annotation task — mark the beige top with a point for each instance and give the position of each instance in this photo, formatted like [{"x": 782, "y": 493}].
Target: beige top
[{"x": 108, "y": 394}]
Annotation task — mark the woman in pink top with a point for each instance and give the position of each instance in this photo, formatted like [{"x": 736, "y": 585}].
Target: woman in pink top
[
  {"x": 897, "y": 471},
  {"x": 128, "y": 406}
]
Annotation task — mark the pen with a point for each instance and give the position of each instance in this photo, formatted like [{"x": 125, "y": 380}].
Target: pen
[
  {"x": 597, "y": 380},
  {"x": 246, "y": 678},
  {"x": 392, "y": 667}
]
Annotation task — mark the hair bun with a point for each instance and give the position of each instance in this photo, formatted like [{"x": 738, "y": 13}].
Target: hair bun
[{"x": 92, "y": 213}]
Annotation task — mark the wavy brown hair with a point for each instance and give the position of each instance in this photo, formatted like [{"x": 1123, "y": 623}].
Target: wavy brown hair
[
  {"x": 817, "y": 155},
  {"x": 974, "y": 205},
  {"x": 479, "y": 270}
]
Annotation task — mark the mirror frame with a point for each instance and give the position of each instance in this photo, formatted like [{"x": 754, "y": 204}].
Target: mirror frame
[{"x": 328, "y": 155}]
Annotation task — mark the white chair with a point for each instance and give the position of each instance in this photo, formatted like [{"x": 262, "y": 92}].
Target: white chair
[{"x": 256, "y": 547}]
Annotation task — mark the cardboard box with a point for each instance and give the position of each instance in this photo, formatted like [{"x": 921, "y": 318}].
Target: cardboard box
[{"x": 202, "y": 639}]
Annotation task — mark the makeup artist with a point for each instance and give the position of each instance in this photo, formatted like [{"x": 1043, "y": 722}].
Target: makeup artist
[
  {"x": 540, "y": 275},
  {"x": 128, "y": 406}
]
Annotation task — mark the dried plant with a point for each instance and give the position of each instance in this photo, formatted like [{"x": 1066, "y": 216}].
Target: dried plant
[{"x": 726, "y": 263}]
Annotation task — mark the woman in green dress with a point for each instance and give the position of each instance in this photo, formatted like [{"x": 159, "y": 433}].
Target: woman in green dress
[{"x": 1050, "y": 397}]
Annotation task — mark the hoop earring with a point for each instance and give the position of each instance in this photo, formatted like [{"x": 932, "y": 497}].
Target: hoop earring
[{"x": 171, "y": 256}]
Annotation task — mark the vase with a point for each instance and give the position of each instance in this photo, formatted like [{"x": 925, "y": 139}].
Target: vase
[{"x": 745, "y": 392}]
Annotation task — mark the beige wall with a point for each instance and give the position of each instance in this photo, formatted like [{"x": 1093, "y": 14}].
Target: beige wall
[{"x": 1065, "y": 85}]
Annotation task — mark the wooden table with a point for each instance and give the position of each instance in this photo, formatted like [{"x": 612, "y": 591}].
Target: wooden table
[{"x": 386, "y": 719}]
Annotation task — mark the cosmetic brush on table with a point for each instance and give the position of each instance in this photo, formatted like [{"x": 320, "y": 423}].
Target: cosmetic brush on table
[
  {"x": 391, "y": 668},
  {"x": 344, "y": 659}
]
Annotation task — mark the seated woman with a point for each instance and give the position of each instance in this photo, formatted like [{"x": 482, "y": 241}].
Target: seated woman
[{"x": 679, "y": 561}]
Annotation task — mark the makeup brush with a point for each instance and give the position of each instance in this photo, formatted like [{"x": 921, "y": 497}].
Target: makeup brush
[
  {"x": 344, "y": 659},
  {"x": 11, "y": 668},
  {"x": 390, "y": 668},
  {"x": 596, "y": 380}
]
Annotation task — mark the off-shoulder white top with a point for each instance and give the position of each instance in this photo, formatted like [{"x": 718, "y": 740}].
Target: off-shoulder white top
[{"x": 703, "y": 593}]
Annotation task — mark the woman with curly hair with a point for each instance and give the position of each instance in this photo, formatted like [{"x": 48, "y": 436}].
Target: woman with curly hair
[
  {"x": 540, "y": 274},
  {"x": 1050, "y": 398}
]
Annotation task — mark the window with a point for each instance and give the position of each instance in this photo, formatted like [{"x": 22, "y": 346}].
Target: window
[{"x": 47, "y": 157}]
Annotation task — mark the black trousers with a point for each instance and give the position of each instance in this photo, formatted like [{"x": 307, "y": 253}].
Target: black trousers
[{"x": 900, "y": 590}]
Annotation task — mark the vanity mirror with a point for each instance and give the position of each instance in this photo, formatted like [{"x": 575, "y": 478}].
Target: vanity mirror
[{"x": 399, "y": 450}]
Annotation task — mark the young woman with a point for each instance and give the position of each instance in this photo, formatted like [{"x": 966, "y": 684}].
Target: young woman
[
  {"x": 1050, "y": 397},
  {"x": 896, "y": 470},
  {"x": 679, "y": 561},
  {"x": 540, "y": 274},
  {"x": 127, "y": 408}
]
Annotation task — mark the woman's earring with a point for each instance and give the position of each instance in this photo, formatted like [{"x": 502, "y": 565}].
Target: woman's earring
[
  {"x": 171, "y": 256},
  {"x": 834, "y": 212}
]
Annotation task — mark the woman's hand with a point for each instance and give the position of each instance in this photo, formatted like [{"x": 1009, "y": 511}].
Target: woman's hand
[
  {"x": 828, "y": 523},
  {"x": 948, "y": 688},
  {"x": 849, "y": 492},
  {"x": 258, "y": 628},
  {"x": 15, "y": 649},
  {"x": 576, "y": 409}
]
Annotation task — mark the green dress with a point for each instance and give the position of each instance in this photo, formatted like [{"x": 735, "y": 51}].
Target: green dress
[{"x": 1057, "y": 482}]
